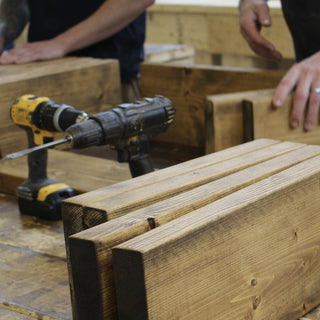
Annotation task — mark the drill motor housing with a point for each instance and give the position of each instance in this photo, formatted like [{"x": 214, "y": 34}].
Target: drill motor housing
[{"x": 128, "y": 129}]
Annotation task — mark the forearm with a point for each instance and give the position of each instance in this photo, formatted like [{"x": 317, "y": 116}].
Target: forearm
[
  {"x": 111, "y": 17},
  {"x": 14, "y": 15}
]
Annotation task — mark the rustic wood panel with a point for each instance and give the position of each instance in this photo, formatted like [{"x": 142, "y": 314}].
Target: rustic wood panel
[
  {"x": 224, "y": 124},
  {"x": 75, "y": 219},
  {"x": 253, "y": 253},
  {"x": 81, "y": 82},
  {"x": 261, "y": 119},
  {"x": 187, "y": 88},
  {"x": 73, "y": 209},
  {"x": 83, "y": 173},
  {"x": 90, "y": 250}
]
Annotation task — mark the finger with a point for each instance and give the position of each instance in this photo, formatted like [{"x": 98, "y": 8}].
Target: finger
[
  {"x": 300, "y": 99},
  {"x": 313, "y": 108},
  {"x": 258, "y": 43},
  {"x": 285, "y": 87}
]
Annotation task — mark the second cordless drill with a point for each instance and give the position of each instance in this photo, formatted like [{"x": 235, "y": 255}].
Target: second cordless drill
[{"x": 42, "y": 119}]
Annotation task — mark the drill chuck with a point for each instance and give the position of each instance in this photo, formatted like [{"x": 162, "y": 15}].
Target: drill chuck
[{"x": 52, "y": 116}]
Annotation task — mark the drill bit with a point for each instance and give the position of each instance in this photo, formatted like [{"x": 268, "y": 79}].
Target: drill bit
[{"x": 36, "y": 148}]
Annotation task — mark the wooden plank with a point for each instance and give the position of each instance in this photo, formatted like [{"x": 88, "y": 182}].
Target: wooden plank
[
  {"x": 73, "y": 209},
  {"x": 250, "y": 254},
  {"x": 266, "y": 121},
  {"x": 224, "y": 124},
  {"x": 90, "y": 250},
  {"x": 187, "y": 88},
  {"x": 83, "y": 173},
  {"x": 114, "y": 207},
  {"x": 169, "y": 53},
  {"x": 80, "y": 82}
]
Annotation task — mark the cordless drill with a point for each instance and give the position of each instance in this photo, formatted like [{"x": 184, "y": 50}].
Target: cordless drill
[
  {"x": 42, "y": 119},
  {"x": 127, "y": 128}
]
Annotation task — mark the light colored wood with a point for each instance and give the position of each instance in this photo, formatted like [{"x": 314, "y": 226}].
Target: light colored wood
[
  {"x": 269, "y": 122},
  {"x": 169, "y": 53},
  {"x": 82, "y": 173},
  {"x": 211, "y": 27},
  {"x": 80, "y": 82},
  {"x": 90, "y": 250},
  {"x": 251, "y": 254},
  {"x": 187, "y": 88}
]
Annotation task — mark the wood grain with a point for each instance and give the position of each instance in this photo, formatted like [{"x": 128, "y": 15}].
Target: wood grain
[
  {"x": 90, "y": 250},
  {"x": 253, "y": 253},
  {"x": 269, "y": 122},
  {"x": 187, "y": 87}
]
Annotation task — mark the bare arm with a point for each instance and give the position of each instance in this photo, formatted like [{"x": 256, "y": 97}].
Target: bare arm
[
  {"x": 14, "y": 15},
  {"x": 110, "y": 18}
]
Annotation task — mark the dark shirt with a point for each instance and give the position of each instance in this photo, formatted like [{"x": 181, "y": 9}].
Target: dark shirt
[
  {"x": 303, "y": 20},
  {"x": 48, "y": 18}
]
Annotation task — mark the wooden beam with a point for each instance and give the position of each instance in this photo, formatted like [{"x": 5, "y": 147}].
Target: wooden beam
[
  {"x": 90, "y": 250},
  {"x": 250, "y": 254}
]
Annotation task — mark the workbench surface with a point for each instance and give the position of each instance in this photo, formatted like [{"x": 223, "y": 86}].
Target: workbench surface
[{"x": 33, "y": 268}]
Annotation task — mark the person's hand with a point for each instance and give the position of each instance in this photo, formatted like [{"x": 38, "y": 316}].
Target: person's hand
[
  {"x": 33, "y": 51},
  {"x": 254, "y": 14},
  {"x": 304, "y": 79}
]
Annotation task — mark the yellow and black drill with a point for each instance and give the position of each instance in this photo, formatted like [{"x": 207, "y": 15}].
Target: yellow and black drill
[{"x": 42, "y": 119}]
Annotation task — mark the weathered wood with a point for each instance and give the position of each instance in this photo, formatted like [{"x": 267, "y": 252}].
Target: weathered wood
[
  {"x": 75, "y": 213},
  {"x": 250, "y": 254},
  {"x": 187, "y": 88},
  {"x": 73, "y": 209},
  {"x": 33, "y": 268},
  {"x": 80, "y": 82},
  {"x": 263, "y": 120},
  {"x": 224, "y": 119},
  {"x": 33, "y": 283},
  {"x": 90, "y": 250},
  {"x": 23, "y": 231},
  {"x": 82, "y": 173}
]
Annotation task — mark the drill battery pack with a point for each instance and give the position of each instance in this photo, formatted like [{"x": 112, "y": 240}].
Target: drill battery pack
[{"x": 44, "y": 203}]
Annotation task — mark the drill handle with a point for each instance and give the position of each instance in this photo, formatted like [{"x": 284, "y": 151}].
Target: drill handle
[
  {"x": 37, "y": 161},
  {"x": 141, "y": 166}
]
